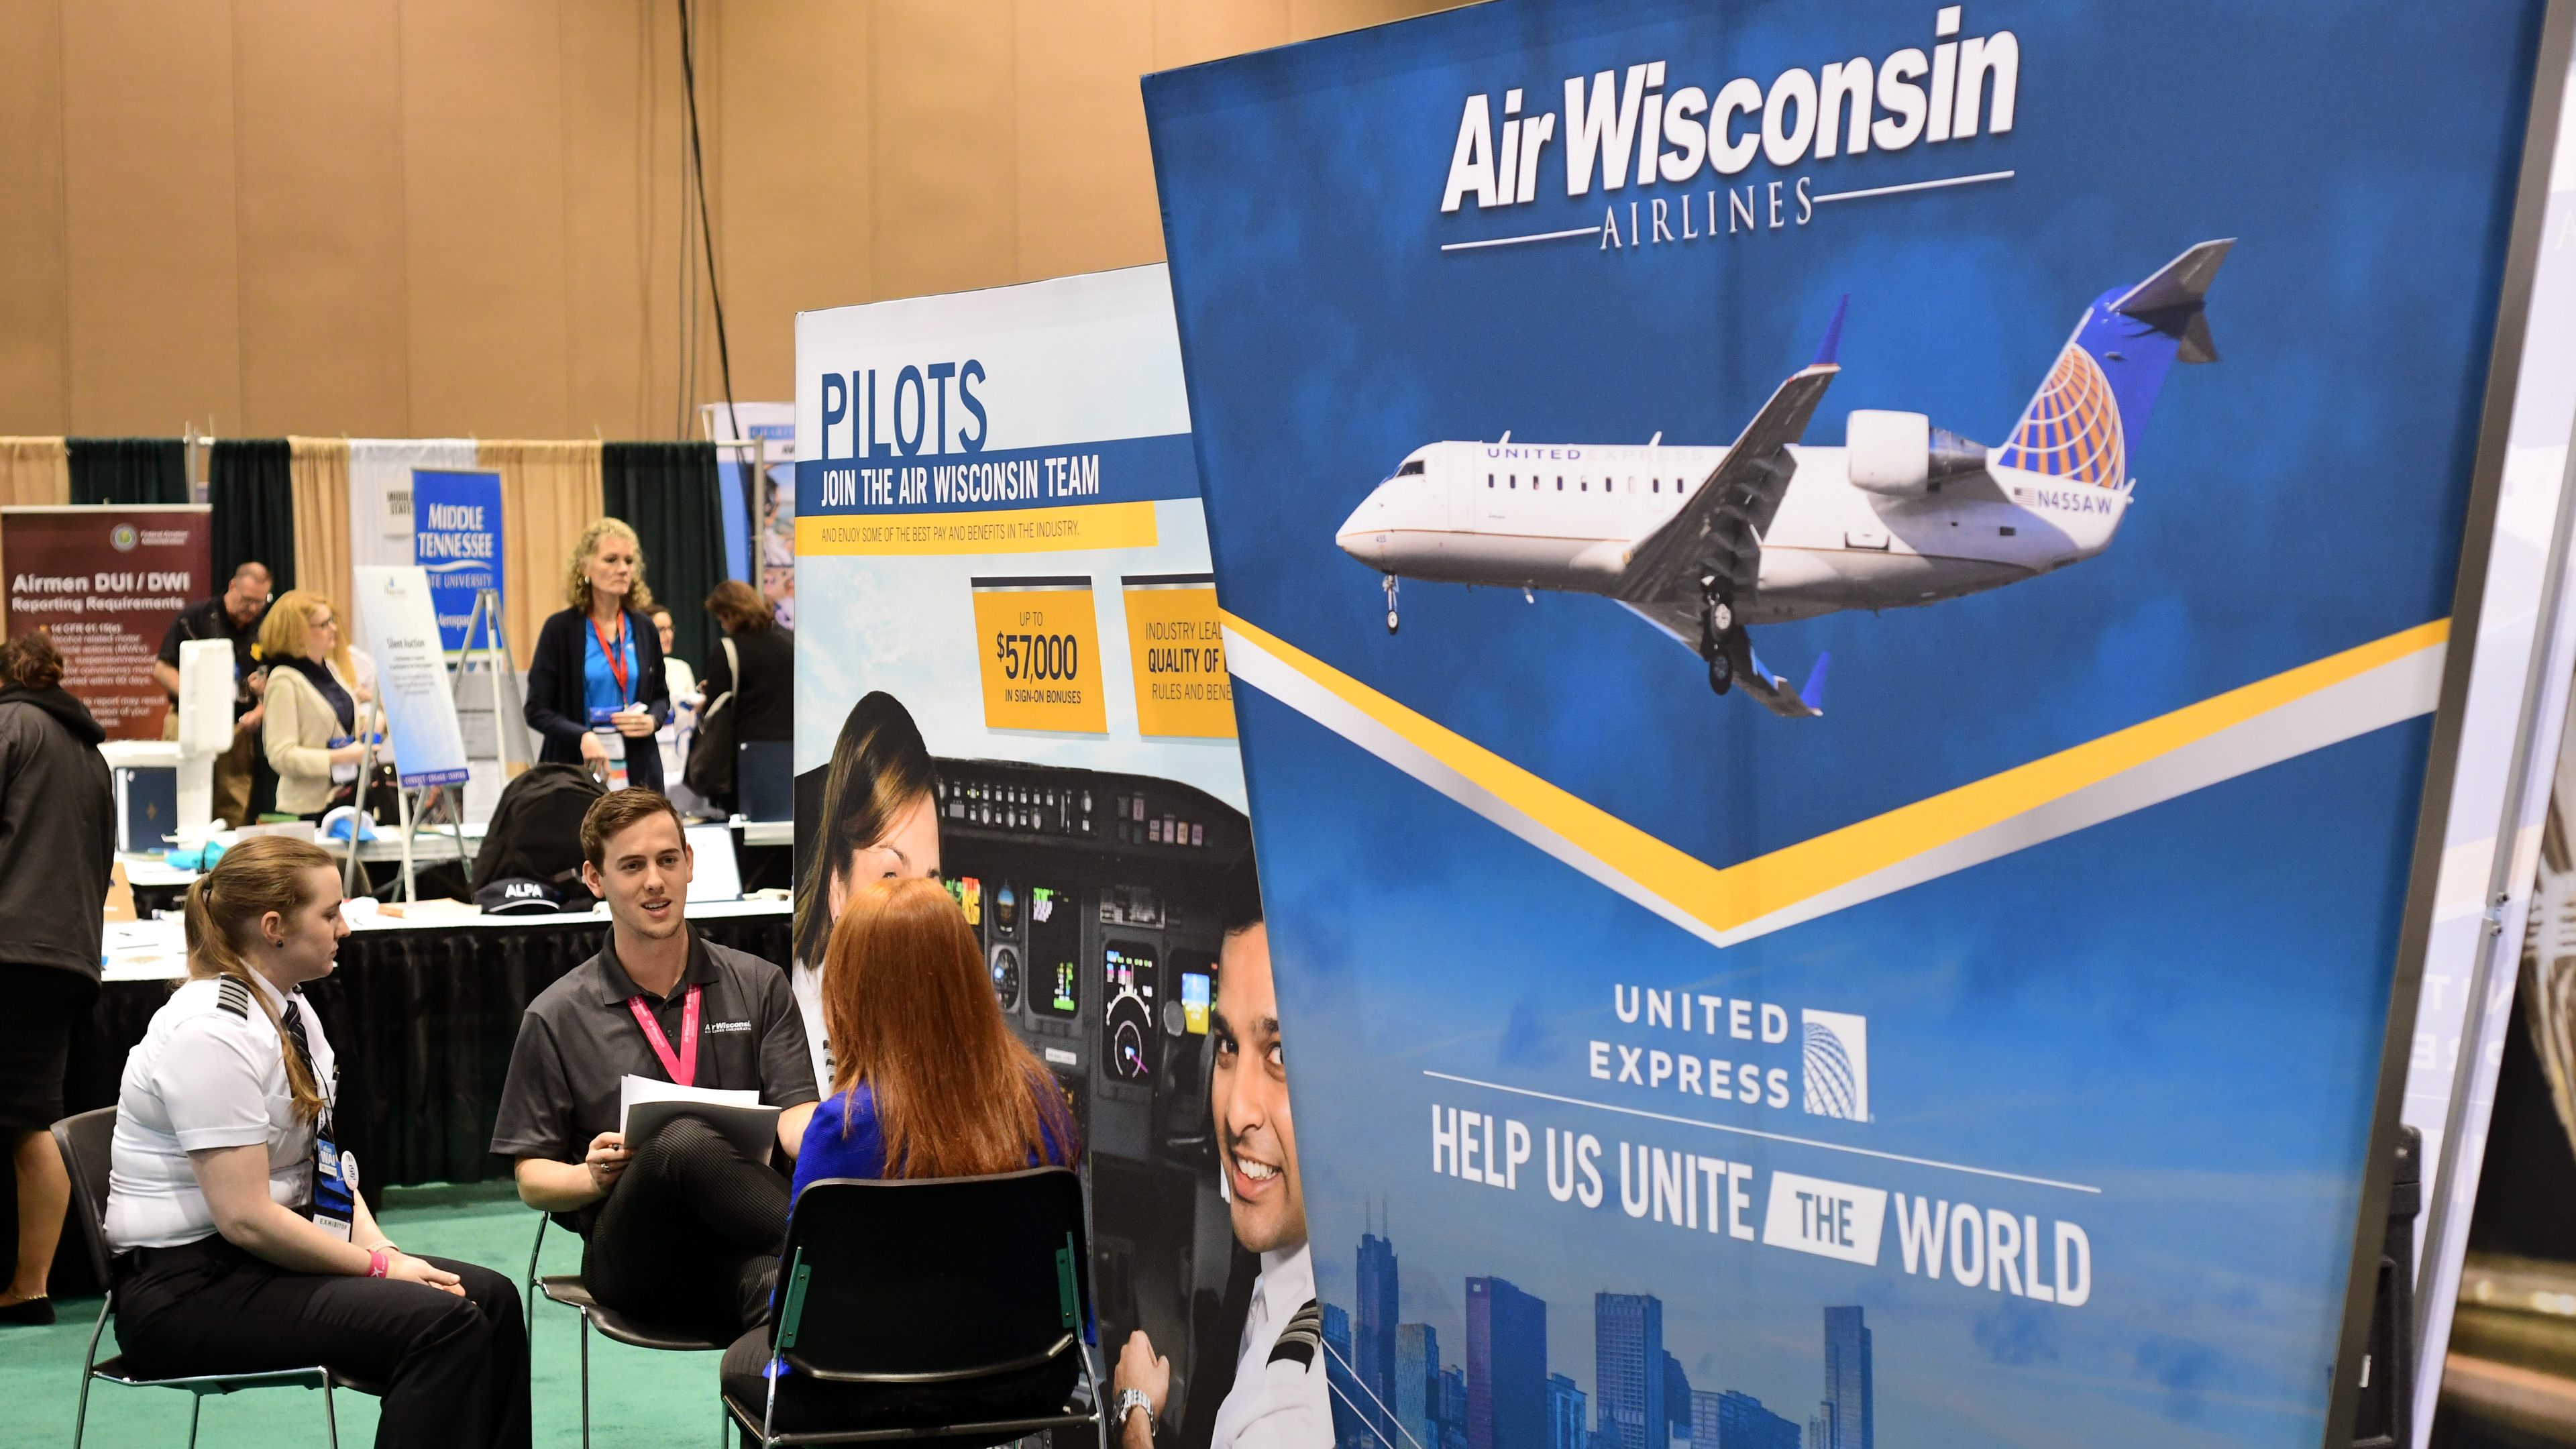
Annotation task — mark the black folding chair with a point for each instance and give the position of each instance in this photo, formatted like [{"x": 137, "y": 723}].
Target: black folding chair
[
  {"x": 933, "y": 1308},
  {"x": 568, "y": 1290},
  {"x": 87, "y": 1143}
]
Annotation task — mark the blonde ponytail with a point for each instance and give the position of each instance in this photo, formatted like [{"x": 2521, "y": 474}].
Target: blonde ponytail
[{"x": 249, "y": 881}]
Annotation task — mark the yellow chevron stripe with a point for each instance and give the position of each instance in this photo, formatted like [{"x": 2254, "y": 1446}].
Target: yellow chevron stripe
[{"x": 1725, "y": 898}]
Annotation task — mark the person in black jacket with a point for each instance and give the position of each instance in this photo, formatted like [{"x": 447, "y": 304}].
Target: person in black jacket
[
  {"x": 598, "y": 664},
  {"x": 57, "y": 849},
  {"x": 764, "y": 698}
]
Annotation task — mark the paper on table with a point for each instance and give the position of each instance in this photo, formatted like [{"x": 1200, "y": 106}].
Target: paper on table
[{"x": 644, "y": 1105}]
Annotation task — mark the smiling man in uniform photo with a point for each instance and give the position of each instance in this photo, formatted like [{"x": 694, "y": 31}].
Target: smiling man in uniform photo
[
  {"x": 682, "y": 1230},
  {"x": 1278, "y": 1399}
]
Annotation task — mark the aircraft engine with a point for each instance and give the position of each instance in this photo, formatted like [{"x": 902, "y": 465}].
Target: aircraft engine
[{"x": 1901, "y": 455}]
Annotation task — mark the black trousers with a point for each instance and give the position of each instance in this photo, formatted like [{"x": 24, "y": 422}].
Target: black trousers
[
  {"x": 454, "y": 1370},
  {"x": 689, "y": 1237}
]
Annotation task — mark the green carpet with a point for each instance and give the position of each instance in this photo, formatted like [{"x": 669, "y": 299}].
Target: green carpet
[{"x": 638, "y": 1398}]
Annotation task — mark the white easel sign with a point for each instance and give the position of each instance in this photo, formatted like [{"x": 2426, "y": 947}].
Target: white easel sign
[{"x": 411, "y": 674}]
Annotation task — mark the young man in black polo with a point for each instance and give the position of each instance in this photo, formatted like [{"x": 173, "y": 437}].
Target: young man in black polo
[{"x": 682, "y": 1230}]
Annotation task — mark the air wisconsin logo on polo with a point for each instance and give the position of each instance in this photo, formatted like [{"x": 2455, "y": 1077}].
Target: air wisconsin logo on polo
[{"x": 1837, "y": 1064}]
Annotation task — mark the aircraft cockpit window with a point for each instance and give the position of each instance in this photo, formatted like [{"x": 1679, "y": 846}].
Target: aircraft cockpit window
[{"x": 1411, "y": 469}]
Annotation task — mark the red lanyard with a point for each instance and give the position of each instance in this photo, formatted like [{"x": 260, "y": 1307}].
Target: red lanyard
[
  {"x": 616, "y": 657},
  {"x": 684, "y": 1066}
]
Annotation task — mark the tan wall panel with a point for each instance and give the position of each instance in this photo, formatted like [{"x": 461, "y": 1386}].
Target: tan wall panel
[
  {"x": 154, "y": 300},
  {"x": 945, "y": 195},
  {"x": 794, "y": 230},
  {"x": 483, "y": 190},
  {"x": 35, "y": 321},
  {"x": 1086, "y": 173},
  {"x": 1308, "y": 19},
  {"x": 1189, "y": 31},
  {"x": 318, "y": 94},
  {"x": 620, "y": 216}
]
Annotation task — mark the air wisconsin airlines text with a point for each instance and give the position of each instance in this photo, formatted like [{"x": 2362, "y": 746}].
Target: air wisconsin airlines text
[{"x": 1621, "y": 128}]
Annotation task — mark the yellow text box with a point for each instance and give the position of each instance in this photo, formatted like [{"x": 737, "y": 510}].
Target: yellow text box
[
  {"x": 1176, "y": 644},
  {"x": 1038, "y": 646},
  {"x": 1015, "y": 530}
]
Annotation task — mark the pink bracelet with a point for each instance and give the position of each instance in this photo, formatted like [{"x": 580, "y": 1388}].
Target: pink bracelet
[{"x": 378, "y": 1260}]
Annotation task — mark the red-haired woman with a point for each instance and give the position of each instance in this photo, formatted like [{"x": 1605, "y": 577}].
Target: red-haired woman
[{"x": 927, "y": 1080}]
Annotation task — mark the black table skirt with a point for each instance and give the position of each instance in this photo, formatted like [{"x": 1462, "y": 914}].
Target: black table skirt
[{"x": 423, "y": 1022}]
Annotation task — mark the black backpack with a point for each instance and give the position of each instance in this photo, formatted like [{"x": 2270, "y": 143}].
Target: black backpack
[
  {"x": 709, "y": 770},
  {"x": 536, "y": 828}
]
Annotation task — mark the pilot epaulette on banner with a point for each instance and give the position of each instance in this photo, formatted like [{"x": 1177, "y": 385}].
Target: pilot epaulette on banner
[
  {"x": 1298, "y": 1340},
  {"x": 234, "y": 997}
]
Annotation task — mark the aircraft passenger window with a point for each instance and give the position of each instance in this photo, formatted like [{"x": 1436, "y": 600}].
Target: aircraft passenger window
[
  {"x": 1582, "y": 485},
  {"x": 1512, "y": 480},
  {"x": 1489, "y": 480},
  {"x": 1560, "y": 482},
  {"x": 1659, "y": 485}
]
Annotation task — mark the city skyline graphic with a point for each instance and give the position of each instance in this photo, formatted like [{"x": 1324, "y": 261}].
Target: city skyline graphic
[{"x": 1392, "y": 1387}]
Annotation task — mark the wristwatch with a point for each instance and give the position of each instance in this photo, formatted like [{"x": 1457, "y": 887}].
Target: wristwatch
[{"x": 1129, "y": 1401}]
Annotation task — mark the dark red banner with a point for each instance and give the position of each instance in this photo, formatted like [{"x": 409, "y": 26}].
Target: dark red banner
[{"x": 106, "y": 582}]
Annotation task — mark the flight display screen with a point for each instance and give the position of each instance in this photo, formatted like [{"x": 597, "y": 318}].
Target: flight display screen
[
  {"x": 1197, "y": 970},
  {"x": 1055, "y": 952}
]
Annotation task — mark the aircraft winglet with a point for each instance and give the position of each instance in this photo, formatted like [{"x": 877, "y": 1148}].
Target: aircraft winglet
[
  {"x": 1833, "y": 335},
  {"x": 1813, "y": 696}
]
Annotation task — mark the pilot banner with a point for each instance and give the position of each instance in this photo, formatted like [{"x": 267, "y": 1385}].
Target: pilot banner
[
  {"x": 1796, "y": 917},
  {"x": 1009, "y": 674}
]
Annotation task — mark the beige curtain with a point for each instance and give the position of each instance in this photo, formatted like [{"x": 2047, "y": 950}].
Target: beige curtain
[
  {"x": 320, "y": 470},
  {"x": 34, "y": 471},
  {"x": 549, "y": 494}
]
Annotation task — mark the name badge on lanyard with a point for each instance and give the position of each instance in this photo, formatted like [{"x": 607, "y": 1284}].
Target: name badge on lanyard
[
  {"x": 335, "y": 1174},
  {"x": 335, "y": 1186},
  {"x": 682, "y": 1064}
]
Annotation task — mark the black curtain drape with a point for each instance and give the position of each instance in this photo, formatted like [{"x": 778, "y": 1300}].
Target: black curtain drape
[
  {"x": 128, "y": 470},
  {"x": 670, "y": 493},
  {"x": 252, "y": 497}
]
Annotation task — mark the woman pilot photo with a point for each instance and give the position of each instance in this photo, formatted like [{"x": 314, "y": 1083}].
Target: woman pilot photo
[
  {"x": 879, "y": 820},
  {"x": 241, "y": 1243}
]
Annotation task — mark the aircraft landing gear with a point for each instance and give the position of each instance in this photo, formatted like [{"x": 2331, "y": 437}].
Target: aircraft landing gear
[
  {"x": 1719, "y": 636},
  {"x": 1390, "y": 604}
]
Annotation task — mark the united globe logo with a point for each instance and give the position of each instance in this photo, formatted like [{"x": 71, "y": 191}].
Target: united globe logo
[{"x": 1837, "y": 1064}]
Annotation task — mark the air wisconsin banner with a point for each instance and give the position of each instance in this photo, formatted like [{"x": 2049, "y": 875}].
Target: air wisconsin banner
[
  {"x": 1010, "y": 676},
  {"x": 106, "y": 582},
  {"x": 1836, "y": 613}
]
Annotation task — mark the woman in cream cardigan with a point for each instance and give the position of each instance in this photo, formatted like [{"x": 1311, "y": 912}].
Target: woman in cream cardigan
[{"x": 309, "y": 731}]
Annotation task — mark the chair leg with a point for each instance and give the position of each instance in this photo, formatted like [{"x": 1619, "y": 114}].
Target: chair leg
[
  {"x": 89, "y": 1360},
  {"x": 196, "y": 1410},
  {"x": 330, "y": 1415},
  {"x": 535, "y": 1250},
  {"x": 585, "y": 1381},
  {"x": 1099, "y": 1407}
]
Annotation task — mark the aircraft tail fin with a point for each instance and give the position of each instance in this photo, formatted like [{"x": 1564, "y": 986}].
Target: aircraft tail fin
[{"x": 2094, "y": 403}]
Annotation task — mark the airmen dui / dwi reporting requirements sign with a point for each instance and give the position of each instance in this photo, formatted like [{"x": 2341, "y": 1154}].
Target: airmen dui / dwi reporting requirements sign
[{"x": 1837, "y": 615}]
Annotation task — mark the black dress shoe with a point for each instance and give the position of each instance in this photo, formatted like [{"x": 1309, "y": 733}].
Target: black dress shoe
[{"x": 31, "y": 1313}]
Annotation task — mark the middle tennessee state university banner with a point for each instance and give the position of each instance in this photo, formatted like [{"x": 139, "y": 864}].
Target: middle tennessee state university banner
[{"x": 1839, "y": 611}]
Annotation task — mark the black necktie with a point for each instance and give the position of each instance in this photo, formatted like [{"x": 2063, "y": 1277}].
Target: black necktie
[{"x": 295, "y": 1029}]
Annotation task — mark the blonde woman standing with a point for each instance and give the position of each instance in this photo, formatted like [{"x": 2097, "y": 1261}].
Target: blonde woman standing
[
  {"x": 598, "y": 664},
  {"x": 241, "y": 1242},
  {"x": 310, "y": 727}
]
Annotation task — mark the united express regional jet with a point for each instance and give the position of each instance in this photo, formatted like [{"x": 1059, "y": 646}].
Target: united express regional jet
[{"x": 1705, "y": 541}]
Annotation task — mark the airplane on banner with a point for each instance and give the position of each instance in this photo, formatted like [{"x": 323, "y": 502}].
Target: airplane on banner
[{"x": 1703, "y": 542}]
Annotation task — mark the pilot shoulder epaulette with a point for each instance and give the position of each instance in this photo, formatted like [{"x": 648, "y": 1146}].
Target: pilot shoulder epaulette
[
  {"x": 233, "y": 996},
  {"x": 1298, "y": 1341}
]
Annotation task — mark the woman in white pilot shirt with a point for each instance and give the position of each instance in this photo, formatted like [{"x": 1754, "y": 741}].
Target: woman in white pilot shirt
[{"x": 237, "y": 1249}]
